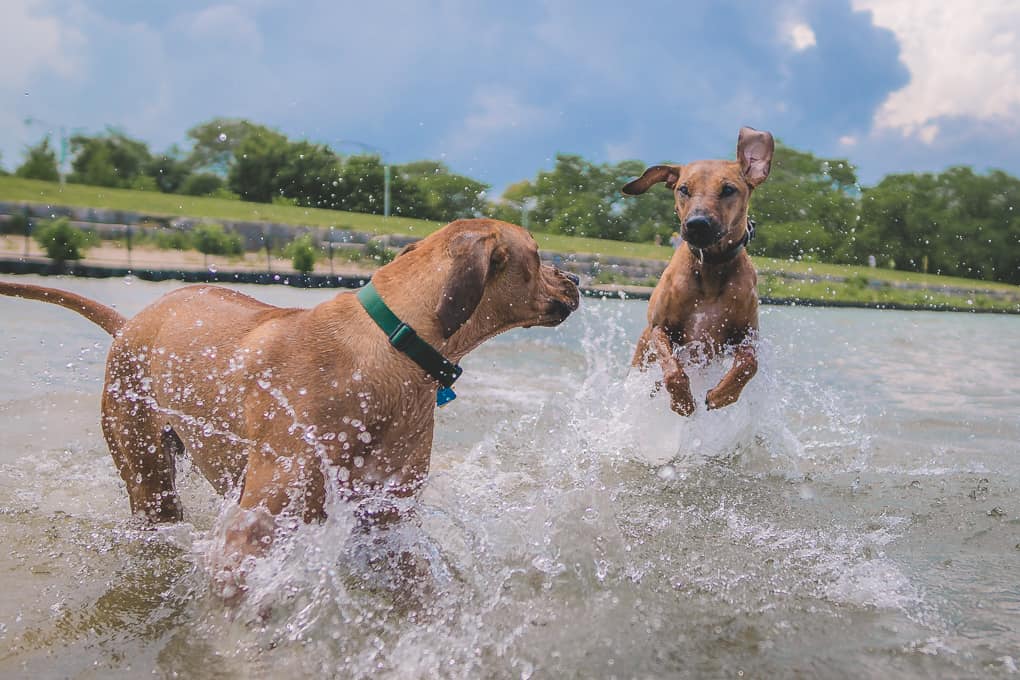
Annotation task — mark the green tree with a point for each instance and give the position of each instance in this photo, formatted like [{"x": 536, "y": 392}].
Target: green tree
[
  {"x": 169, "y": 171},
  {"x": 215, "y": 143},
  {"x": 61, "y": 241},
  {"x": 112, "y": 159},
  {"x": 446, "y": 195},
  {"x": 807, "y": 208},
  {"x": 40, "y": 162},
  {"x": 202, "y": 184},
  {"x": 302, "y": 253},
  {"x": 360, "y": 188},
  {"x": 258, "y": 161},
  {"x": 899, "y": 218},
  {"x": 579, "y": 198},
  {"x": 308, "y": 175},
  {"x": 957, "y": 222}
]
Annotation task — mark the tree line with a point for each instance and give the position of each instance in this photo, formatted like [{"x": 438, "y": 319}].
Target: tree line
[{"x": 956, "y": 222}]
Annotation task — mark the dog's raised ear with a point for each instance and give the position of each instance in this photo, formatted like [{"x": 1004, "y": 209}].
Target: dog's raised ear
[
  {"x": 754, "y": 151},
  {"x": 474, "y": 256},
  {"x": 653, "y": 175}
]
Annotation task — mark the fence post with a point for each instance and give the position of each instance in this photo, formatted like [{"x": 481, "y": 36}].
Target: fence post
[{"x": 28, "y": 229}]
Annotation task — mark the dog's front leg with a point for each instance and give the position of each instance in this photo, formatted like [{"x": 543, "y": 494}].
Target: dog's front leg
[
  {"x": 673, "y": 376},
  {"x": 273, "y": 487},
  {"x": 745, "y": 365}
]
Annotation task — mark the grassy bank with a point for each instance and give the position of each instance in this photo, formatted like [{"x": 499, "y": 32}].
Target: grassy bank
[
  {"x": 155, "y": 203},
  {"x": 858, "y": 284},
  {"x": 858, "y": 290}
]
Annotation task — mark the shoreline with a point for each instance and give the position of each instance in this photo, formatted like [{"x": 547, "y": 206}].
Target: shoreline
[{"x": 26, "y": 266}]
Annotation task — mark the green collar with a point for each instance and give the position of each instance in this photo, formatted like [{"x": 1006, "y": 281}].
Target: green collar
[{"x": 406, "y": 340}]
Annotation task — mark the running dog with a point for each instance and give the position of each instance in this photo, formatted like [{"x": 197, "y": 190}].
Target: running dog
[
  {"x": 287, "y": 402},
  {"x": 708, "y": 294}
]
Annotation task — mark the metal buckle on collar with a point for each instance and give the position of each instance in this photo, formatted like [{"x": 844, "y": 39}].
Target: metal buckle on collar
[{"x": 403, "y": 336}]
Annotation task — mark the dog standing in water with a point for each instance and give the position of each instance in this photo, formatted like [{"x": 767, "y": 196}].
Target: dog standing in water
[
  {"x": 275, "y": 400},
  {"x": 708, "y": 294}
]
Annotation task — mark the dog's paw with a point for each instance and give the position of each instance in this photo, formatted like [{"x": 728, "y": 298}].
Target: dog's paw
[
  {"x": 680, "y": 398},
  {"x": 717, "y": 398}
]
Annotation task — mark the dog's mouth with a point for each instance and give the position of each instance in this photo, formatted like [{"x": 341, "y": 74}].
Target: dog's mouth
[
  {"x": 701, "y": 239},
  {"x": 561, "y": 304}
]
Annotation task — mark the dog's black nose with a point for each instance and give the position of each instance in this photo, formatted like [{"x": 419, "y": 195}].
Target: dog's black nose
[{"x": 700, "y": 230}]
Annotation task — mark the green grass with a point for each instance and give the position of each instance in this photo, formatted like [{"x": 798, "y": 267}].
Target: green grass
[
  {"x": 853, "y": 292},
  {"x": 154, "y": 203}
]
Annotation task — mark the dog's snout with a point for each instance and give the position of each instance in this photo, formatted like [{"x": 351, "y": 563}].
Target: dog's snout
[
  {"x": 698, "y": 223},
  {"x": 700, "y": 230},
  {"x": 573, "y": 278}
]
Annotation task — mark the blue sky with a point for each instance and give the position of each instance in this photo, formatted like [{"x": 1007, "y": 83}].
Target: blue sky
[{"x": 497, "y": 89}]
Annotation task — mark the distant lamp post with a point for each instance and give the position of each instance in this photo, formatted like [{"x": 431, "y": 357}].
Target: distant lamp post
[
  {"x": 330, "y": 242},
  {"x": 64, "y": 143},
  {"x": 128, "y": 235},
  {"x": 28, "y": 229},
  {"x": 382, "y": 153}
]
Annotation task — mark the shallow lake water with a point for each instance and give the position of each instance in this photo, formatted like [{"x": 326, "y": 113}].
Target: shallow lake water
[{"x": 855, "y": 514}]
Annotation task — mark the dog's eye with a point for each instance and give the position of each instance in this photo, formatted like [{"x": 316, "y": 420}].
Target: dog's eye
[
  {"x": 684, "y": 190},
  {"x": 728, "y": 190}
]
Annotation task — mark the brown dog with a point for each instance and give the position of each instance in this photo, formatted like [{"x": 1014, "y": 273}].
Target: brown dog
[
  {"x": 278, "y": 399},
  {"x": 708, "y": 294}
]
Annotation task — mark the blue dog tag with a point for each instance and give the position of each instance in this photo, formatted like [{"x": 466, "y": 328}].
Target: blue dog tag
[{"x": 444, "y": 396}]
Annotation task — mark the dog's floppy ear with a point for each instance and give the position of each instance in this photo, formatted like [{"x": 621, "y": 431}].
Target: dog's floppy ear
[
  {"x": 653, "y": 175},
  {"x": 406, "y": 249},
  {"x": 473, "y": 255},
  {"x": 754, "y": 151}
]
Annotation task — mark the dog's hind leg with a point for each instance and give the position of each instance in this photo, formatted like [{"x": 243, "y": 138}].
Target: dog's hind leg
[{"x": 144, "y": 450}]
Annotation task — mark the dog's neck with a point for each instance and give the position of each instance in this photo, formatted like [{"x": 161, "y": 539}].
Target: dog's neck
[
  {"x": 716, "y": 265},
  {"x": 414, "y": 302}
]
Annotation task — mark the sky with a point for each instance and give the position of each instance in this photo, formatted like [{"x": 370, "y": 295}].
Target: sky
[{"x": 496, "y": 90}]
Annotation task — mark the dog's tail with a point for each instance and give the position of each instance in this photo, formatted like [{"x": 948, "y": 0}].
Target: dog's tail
[{"x": 107, "y": 318}]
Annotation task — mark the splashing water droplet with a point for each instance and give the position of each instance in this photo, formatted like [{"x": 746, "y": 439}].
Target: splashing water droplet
[
  {"x": 129, "y": 279},
  {"x": 222, "y": 137},
  {"x": 213, "y": 269}
]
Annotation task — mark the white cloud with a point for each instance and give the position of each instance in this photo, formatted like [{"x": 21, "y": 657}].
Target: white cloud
[
  {"x": 225, "y": 23},
  {"x": 496, "y": 111},
  {"x": 801, "y": 36},
  {"x": 621, "y": 151},
  {"x": 32, "y": 43},
  {"x": 963, "y": 58},
  {"x": 848, "y": 140}
]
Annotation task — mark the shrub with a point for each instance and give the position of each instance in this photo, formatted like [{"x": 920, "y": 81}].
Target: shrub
[
  {"x": 375, "y": 250},
  {"x": 225, "y": 194},
  {"x": 143, "y": 183},
  {"x": 284, "y": 200},
  {"x": 302, "y": 253},
  {"x": 15, "y": 224},
  {"x": 857, "y": 281},
  {"x": 172, "y": 239},
  {"x": 202, "y": 184},
  {"x": 211, "y": 239},
  {"x": 61, "y": 241}
]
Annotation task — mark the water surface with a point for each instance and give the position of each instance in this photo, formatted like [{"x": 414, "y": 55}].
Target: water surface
[{"x": 855, "y": 514}]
